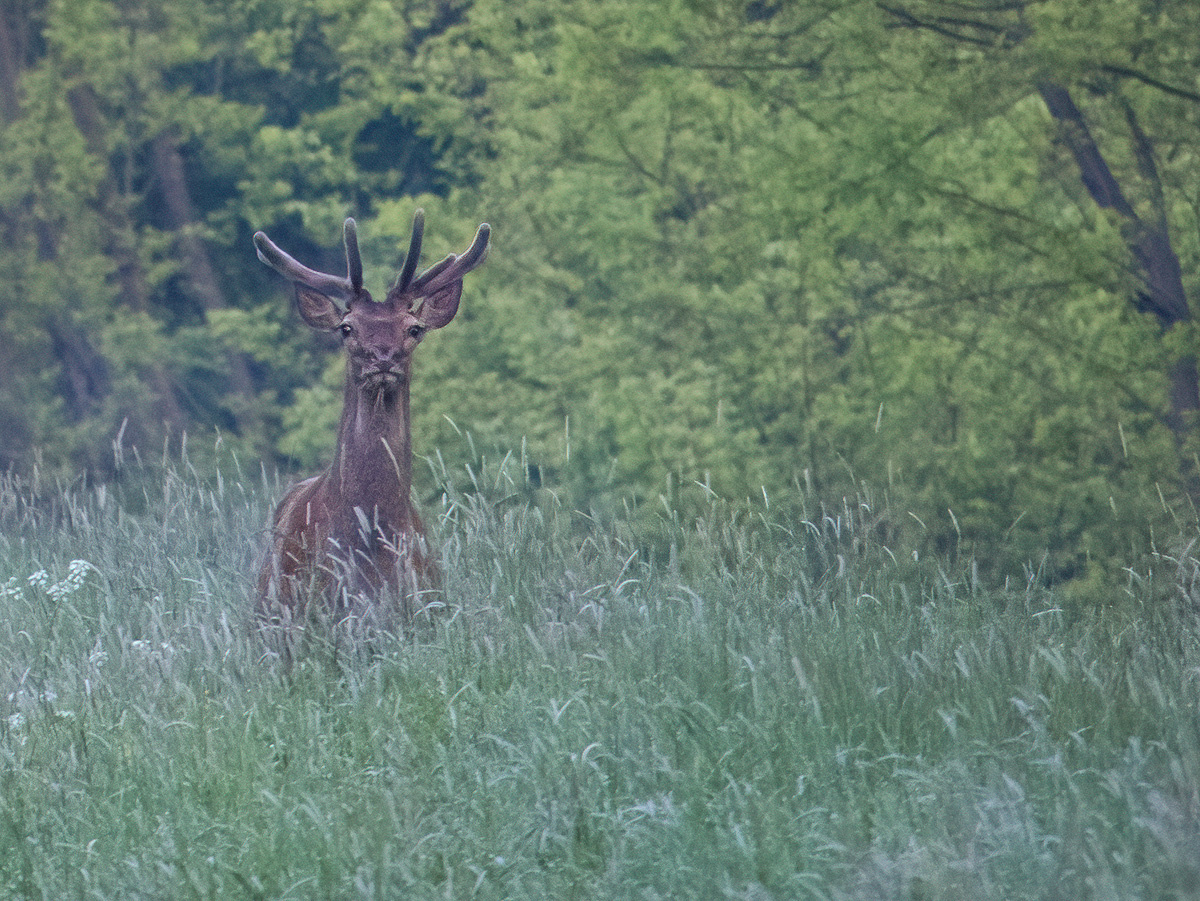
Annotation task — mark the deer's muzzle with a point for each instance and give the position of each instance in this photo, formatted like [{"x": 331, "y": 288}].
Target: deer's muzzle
[{"x": 382, "y": 380}]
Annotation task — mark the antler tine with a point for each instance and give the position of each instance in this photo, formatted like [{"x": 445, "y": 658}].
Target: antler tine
[
  {"x": 330, "y": 285},
  {"x": 477, "y": 251},
  {"x": 354, "y": 267},
  {"x": 414, "y": 251},
  {"x": 455, "y": 267}
]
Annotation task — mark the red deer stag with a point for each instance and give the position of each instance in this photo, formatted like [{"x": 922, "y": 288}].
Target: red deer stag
[{"x": 351, "y": 534}]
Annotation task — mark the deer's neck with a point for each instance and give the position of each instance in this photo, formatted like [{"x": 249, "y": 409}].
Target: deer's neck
[{"x": 372, "y": 467}]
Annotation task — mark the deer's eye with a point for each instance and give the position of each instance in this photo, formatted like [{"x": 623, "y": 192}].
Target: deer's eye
[
  {"x": 415, "y": 331},
  {"x": 346, "y": 329}
]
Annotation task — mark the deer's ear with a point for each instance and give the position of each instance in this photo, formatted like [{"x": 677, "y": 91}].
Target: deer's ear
[
  {"x": 438, "y": 308},
  {"x": 317, "y": 309}
]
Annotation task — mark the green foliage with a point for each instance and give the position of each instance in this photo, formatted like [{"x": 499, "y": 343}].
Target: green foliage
[
  {"x": 781, "y": 264},
  {"x": 767, "y": 706},
  {"x": 751, "y": 246}
]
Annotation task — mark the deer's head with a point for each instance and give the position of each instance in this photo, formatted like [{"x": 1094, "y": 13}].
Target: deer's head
[{"x": 379, "y": 337}]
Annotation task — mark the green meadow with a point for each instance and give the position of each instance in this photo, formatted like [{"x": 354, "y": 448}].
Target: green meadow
[{"x": 734, "y": 705}]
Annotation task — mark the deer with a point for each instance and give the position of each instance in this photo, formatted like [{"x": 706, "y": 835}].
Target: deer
[{"x": 350, "y": 537}]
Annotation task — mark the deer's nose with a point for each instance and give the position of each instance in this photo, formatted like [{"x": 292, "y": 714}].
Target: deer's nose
[{"x": 387, "y": 355}]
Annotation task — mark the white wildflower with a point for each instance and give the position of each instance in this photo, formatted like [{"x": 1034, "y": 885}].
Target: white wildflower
[
  {"x": 16, "y": 725},
  {"x": 99, "y": 656},
  {"x": 77, "y": 571}
]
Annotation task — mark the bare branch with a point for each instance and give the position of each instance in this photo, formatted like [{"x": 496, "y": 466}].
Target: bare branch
[
  {"x": 1125, "y": 72},
  {"x": 946, "y": 27}
]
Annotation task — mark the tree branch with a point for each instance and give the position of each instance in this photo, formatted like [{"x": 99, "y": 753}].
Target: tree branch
[
  {"x": 944, "y": 26},
  {"x": 1150, "y": 243},
  {"x": 1125, "y": 72},
  {"x": 1097, "y": 176}
]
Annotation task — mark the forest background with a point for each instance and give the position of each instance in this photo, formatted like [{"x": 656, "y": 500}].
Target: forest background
[{"x": 937, "y": 254}]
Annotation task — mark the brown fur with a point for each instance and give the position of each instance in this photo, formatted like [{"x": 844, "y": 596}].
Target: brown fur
[{"x": 351, "y": 536}]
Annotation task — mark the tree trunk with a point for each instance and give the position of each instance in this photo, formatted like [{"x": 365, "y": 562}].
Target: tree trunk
[
  {"x": 123, "y": 250},
  {"x": 1160, "y": 274},
  {"x": 11, "y": 63},
  {"x": 198, "y": 269}
]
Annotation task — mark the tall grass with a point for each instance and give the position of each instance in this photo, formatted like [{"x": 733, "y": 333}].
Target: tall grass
[{"x": 732, "y": 707}]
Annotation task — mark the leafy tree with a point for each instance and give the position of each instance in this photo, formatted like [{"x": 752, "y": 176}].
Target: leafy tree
[
  {"x": 1124, "y": 59},
  {"x": 143, "y": 142},
  {"x": 756, "y": 247},
  {"x": 773, "y": 245}
]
